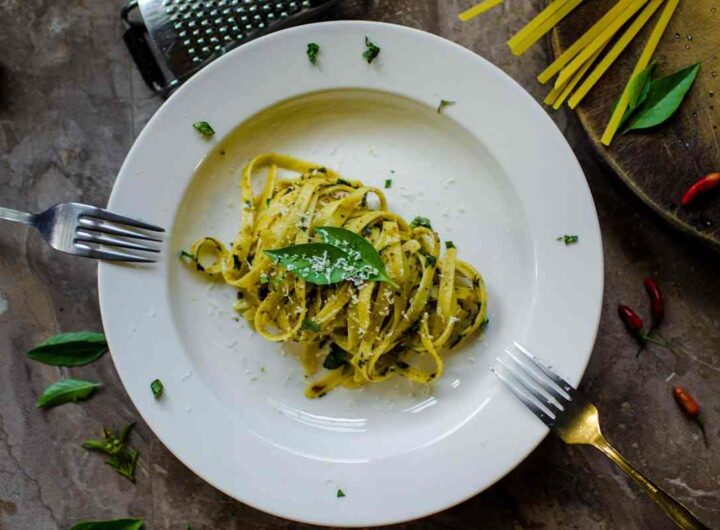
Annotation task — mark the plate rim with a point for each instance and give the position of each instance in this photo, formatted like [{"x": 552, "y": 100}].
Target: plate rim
[{"x": 104, "y": 269}]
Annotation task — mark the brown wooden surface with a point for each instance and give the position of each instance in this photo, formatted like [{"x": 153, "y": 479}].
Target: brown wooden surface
[
  {"x": 660, "y": 164},
  {"x": 71, "y": 104}
]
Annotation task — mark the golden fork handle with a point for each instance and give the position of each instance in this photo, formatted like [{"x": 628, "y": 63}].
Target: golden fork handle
[{"x": 674, "y": 509}]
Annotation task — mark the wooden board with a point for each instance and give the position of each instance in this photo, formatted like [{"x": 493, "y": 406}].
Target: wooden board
[{"x": 659, "y": 165}]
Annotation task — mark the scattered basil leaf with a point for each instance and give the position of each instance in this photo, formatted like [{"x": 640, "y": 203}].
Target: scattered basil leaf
[
  {"x": 663, "y": 99},
  {"x": 157, "y": 388},
  {"x": 449, "y": 244},
  {"x": 568, "y": 240},
  {"x": 388, "y": 183},
  {"x": 444, "y": 103},
  {"x": 115, "y": 524},
  {"x": 336, "y": 358},
  {"x": 340, "y": 493},
  {"x": 204, "y": 128},
  {"x": 357, "y": 247},
  {"x": 186, "y": 255},
  {"x": 371, "y": 52},
  {"x": 421, "y": 221},
  {"x": 70, "y": 349},
  {"x": 428, "y": 257},
  {"x": 66, "y": 391},
  {"x": 123, "y": 459},
  {"x": 640, "y": 86},
  {"x": 312, "y": 52},
  {"x": 311, "y": 325}
]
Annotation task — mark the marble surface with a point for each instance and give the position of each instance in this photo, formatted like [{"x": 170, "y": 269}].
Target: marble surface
[{"x": 71, "y": 103}]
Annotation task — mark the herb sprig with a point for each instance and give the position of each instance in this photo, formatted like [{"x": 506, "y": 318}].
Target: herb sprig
[{"x": 123, "y": 459}]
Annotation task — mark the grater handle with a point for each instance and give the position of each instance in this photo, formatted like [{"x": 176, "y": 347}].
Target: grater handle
[{"x": 135, "y": 38}]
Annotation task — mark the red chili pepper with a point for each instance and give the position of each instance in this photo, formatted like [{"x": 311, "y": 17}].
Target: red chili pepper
[
  {"x": 657, "y": 306},
  {"x": 707, "y": 183},
  {"x": 690, "y": 407},
  {"x": 633, "y": 323}
]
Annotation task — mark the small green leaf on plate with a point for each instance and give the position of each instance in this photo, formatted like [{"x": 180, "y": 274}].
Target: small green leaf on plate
[
  {"x": 204, "y": 128},
  {"x": 340, "y": 493},
  {"x": 66, "y": 391},
  {"x": 444, "y": 103},
  {"x": 663, "y": 98},
  {"x": 568, "y": 240},
  {"x": 70, "y": 349},
  {"x": 312, "y": 52},
  {"x": 115, "y": 524},
  {"x": 388, "y": 183},
  {"x": 449, "y": 245},
  {"x": 421, "y": 221},
  {"x": 371, "y": 51},
  {"x": 157, "y": 388}
]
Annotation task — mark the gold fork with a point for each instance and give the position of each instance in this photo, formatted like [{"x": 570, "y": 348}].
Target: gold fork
[{"x": 574, "y": 419}]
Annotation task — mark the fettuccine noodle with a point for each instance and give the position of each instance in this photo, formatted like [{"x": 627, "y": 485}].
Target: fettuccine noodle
[{"x": 380, "y": 330}]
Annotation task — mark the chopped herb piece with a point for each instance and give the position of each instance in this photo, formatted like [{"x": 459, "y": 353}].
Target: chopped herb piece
[
  {"x": 428, "y": 257},
  {"x": 568, "y": 240},
  {"x": 402, "y": 365},
  {"x": 340, "y": 493},
  {"x": 449, "y": 244},
  {"x": 264, "y": 279},
  {"x": 345, "y": 182},
  {"x": 115, "y": 524},
  {"x": 311, "y": 325},
  {"x": 421, "y": 221},
  {"x": 371, "y": 52},
  {"x": 388, "y": 183},
  {"x": 204, "y": 128},
  {"x": 484, "y": 323},
  {"x": 444, "y": 103},
  {"x": 337, "y": 358},
  {"x": 123, "y": 459},
  {"x": 392, "y": 171},
  {"x": 187, "y": 255},
  {"x": 157, "y": 388},
  {"x": 312, "y": 52}
]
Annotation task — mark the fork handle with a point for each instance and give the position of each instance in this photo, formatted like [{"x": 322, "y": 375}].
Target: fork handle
[
  {"x": 8, "y": 214},
  {"x": 680, "y": 515}
]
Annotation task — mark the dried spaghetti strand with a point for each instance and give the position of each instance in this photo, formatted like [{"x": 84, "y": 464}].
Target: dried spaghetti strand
[
  {"x": 643, "y": 61},
  {"x": 614, "y": 52},
  {"x": 577, "y": 78},
  {"x": 607, "y": 34},
  {"x": 535, "y": 23},
  {"x": 545, "y": 26},
  {"x": 479, "y": 9},
  {"x": 583, "y": 41}
]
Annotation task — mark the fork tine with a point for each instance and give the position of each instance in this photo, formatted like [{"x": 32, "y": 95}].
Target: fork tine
[
  {"x": 559, "y": 381},
  {"x": 101, "y": 213},
  {"x": 531, "y": 387},
  {"x": 112, "y": 255},
  {"x": 102, "y": 226},
  {"x": 99, "y": 237},
  {"x": 529, "y": 403},
  {"x": 543, "y": 383}
]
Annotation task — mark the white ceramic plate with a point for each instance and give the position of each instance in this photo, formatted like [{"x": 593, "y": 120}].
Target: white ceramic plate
[{"x": 492, "y": 172}]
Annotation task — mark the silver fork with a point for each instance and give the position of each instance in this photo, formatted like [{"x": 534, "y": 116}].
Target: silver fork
[
  {"x": 575, "y": 420},
  {"x": 81, "y": 229}
]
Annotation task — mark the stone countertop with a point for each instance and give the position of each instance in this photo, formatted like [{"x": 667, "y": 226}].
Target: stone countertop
[{"x": 71, "y": 103}]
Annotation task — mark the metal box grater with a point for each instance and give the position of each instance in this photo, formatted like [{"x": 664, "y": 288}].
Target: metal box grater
[{"x": 170, "y": 40}]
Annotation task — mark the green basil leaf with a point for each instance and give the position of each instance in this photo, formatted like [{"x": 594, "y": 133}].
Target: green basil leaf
[
  {"x": 357, "y": 247},
  {"x": 204, "y": 128},
  {"x": 312, "y": 52},
  {"x": 663, "y": 98},
  {"x": 157, "y": 388},
  {"x": 317, "y": 263},
  {"x": 371, "y": 51},
  {"x": 115, "y": 524},
  {"x": 640, "y": 86},
  {"x": 66, "y": 391},
  {"x": 70, "y": 349}
]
